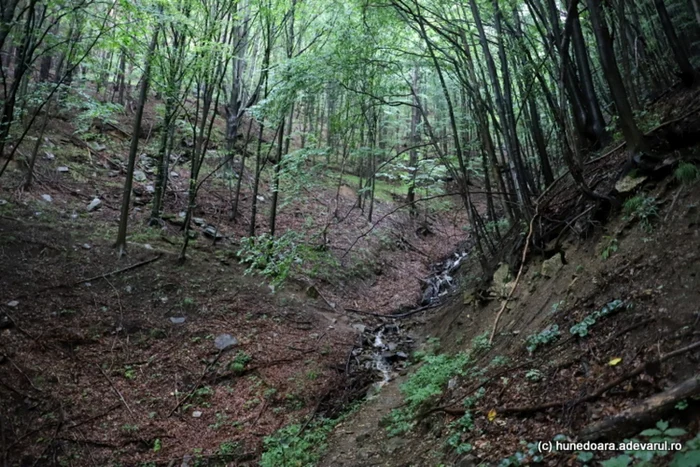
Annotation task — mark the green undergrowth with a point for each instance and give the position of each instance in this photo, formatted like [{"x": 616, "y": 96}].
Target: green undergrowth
[
  {"x": 428, "y": 382},
  {"x": 298, "y": 445}
]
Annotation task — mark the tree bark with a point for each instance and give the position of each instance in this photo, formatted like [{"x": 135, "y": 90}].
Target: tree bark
[
  {"x": 133, "y": 149},
  {"x": 687, "y": 73},
  {"x": 634, "y": 137}
]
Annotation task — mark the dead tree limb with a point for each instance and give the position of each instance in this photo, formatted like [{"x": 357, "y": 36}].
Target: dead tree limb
[{"x": 641, "y": 414}]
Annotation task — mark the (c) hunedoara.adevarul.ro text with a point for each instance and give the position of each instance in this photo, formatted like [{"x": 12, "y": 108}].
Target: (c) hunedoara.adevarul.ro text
[{"x": 553, "y": 446}]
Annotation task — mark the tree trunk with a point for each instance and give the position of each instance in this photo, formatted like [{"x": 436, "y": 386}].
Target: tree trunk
[
  {"x": 634, "y": 137},
  {"x": 136, "y": 131},
  {"x": 687, "y": 73}
]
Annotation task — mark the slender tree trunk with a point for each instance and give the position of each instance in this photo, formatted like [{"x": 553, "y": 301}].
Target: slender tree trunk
[
  {"x": 687, "y": 73},
  {"x": 136, "y": 131}
]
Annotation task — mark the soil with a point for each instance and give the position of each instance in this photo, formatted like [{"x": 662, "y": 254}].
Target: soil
[{"x": 107, "y": 361}]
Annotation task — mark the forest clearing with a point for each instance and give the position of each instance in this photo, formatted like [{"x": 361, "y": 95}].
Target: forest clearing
[{"x": 349, "y": 233}]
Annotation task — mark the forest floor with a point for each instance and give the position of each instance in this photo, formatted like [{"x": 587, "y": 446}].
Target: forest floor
[
  {"x": 509, "y": 397},
  {"x": 141, "y": 361}
]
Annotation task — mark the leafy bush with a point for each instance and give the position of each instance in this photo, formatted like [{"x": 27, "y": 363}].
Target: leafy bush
[
  {"x": 270, "y": 257},
  {"x": 546, "y": 336},
  {"x": 642, "y": 207}
]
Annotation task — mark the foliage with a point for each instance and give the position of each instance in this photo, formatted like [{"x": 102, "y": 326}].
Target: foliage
[
  {"x": 239, "y": 363},
  {"x": 581, "y": 328},
  {"x": 687, "y": 173},
  {"x": 533, "y": 375},
  {"x": 271, "y": 257},
  {"x": 610, "y": 246},
  {"x": 544, "y": 337},
  {"x": 289, "y": 446},
  {"x": 661, "y": 433},
  {"x": 643, "y": 208}
]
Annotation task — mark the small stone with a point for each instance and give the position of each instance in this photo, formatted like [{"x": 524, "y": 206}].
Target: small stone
[
  {"x": 224, "y": 341},
  {"x": 196, "y": 414},
  {"x": 147, "y": 246},
  {"x": 87, "y": 246},
  {"x": 198, "y": 221},
  {"x": 3, "y": 202},
  {"x": 62, "y": 169},
  {"x": 112, "y": 173},
  {"x": 401, "y": 356},
  {"x": 150, "y": 189},
  {"x": 174, "y": 174},
  {"x": 49, "y": 156},
  {"x": 47, "y": 198},
  {"x": 128, "y": 289},
  {"x": 13, "y": 304},
  {"x": 261, "y": 198},
  {"x": 177, "y": 320},
  {"x": 94, "y": 204},
  {"x": 360, "y": 327},
  {"x": 212, "y": 232},
  {"x": 139, "y": 175}
]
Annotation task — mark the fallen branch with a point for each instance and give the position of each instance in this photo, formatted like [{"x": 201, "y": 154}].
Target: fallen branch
[
  {"x": 517, "y": 279},
  {"x": 115, "y": 390},
  {"x": 199, "y": 382},
  {"x": 599, "y": 392},
  {"x": 118, "y": 271},
  {"x": 641, "y": 414}
]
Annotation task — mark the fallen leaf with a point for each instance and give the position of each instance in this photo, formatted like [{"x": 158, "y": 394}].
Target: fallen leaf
[
  {"x": 614, "y": 361},
  {"x": 492, "y": 415}
]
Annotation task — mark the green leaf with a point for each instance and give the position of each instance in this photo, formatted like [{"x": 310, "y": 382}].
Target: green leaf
[
  {"x": 686, "y": 459},
  {"x": 619, "y": 461},
  {"x": 662, "y": 425},
  {"x": 650, "y": 432},
  {"x": 585, "y": 456},
  {"x": 675, "y": 432}
]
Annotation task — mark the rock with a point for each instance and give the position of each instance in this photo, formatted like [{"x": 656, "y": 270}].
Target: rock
[
  {"x": 139, "y": 175},
  {"x": 212, "y": 232},
  {"x": 94, "y": 204},
  {"x": 261, "y": 198},
  {"x": 150, "y": 189},
  {"x": 47, "y": 198},
  {"x": 174, "y": 174},
  {"x": 360, "y": 327},
  {"x": 86, "y": 246},
  {"x": 224, "y": 341},
  {"x": 13, "y": 304},
  {"x": 49, "y": 156},
  {"x": 198, "y": 221},
  {"x": 3, "y": 202},
  {"x": 112, "y": 173},
  {"x": 392, "y": 346},
  {"x": 98, "y": 147},
  {"x": 196, "y": 414},
  {"x": 62, "y": 169},
  {"x": 177, "y": 320},
  {"x": 5, "y": 322},
  {"x": 147, "y": 246},
  {"x": 552, "y": 266},
  {"x": 628, "y": 183},
  {"x": 500, "y": 280},
  {"x": 401, "y": 356}
]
